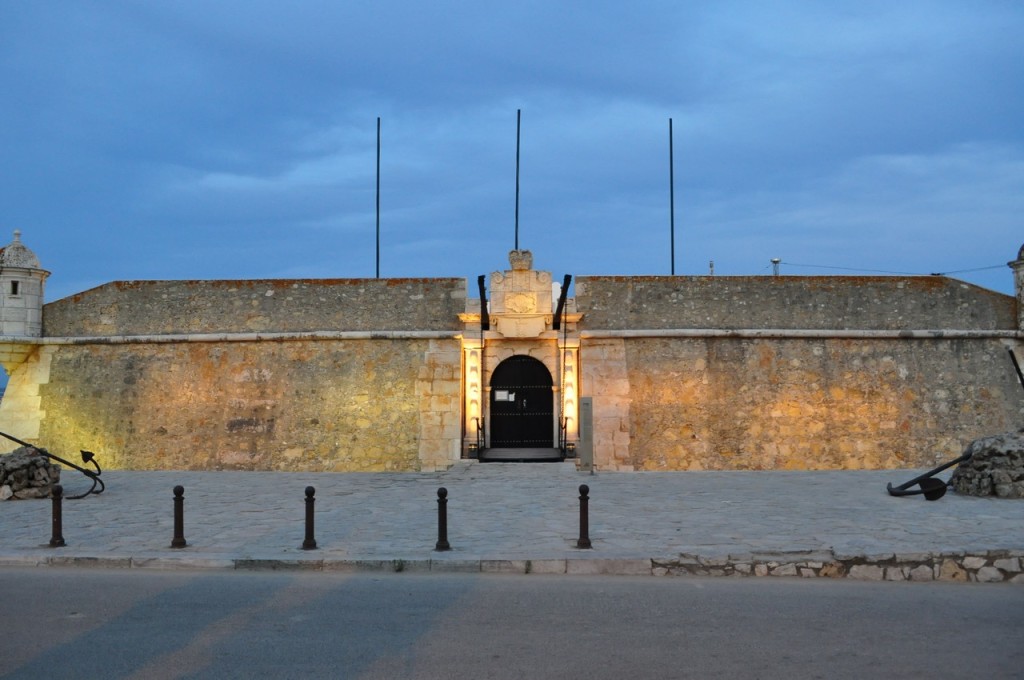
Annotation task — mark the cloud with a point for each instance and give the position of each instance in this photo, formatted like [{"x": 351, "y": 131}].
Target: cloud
[
  {"x": 190, "y": 139},
  {"x": 913, "y": 213}
]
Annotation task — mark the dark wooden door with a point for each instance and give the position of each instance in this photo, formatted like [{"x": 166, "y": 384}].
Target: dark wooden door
[{"x": 522, "y": 404}]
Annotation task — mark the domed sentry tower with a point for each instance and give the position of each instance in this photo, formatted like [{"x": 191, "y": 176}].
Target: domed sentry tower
[
  {"x": 1018, "y": 282},
  {"x": 21, "y": 330},
  {"x": 22, "y": 281}
]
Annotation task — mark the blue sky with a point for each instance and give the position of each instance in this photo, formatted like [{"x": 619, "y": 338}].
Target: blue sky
[{"x": 199, "y": 140}]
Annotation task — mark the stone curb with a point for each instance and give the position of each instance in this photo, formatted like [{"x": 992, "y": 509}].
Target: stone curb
[{"x": 993, "y": 566}]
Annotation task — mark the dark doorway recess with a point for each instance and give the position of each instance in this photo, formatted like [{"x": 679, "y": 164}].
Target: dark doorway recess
[{"x": 522, "y": 405}]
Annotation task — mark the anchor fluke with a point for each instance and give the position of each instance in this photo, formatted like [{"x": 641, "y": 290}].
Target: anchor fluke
[{"x": 932, "y": 488}]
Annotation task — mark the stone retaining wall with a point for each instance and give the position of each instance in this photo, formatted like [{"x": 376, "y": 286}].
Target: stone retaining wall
[
  {"x": 989, "y": 567},
  {"x": 995, "y": 566}
]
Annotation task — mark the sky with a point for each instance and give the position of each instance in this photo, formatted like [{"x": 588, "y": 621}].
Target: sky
[{"x": 236, "y": 139}]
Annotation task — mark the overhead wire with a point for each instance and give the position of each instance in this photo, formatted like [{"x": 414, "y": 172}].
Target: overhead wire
[
  {"x": 849, "y": 269},
  {"x": 886, "y": 271},
  {"x": 976, "y": 269}
]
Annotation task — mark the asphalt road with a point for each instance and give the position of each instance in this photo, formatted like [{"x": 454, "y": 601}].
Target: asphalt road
[{"x": 82, "y": 623}]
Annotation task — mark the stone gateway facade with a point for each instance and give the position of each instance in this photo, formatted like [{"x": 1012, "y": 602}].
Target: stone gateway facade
[{"x": 668, "y": 373}]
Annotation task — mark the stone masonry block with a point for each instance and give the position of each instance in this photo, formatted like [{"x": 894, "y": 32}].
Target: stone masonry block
[
  {"x": 989, "y": 575},
  {"x": 949, "y": 570},
  {"x": 547, "y": 566},
  {"x": 1009, "y": 564},
  {"x": 616, "y": 567},
  {"x": 504, "y": 566},
  {"x": 867, "y": 572},
  {"x": 922, "y": 573}
]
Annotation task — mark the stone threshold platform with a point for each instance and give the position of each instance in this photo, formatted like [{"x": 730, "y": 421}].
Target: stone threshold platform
[
  {"x": 994, "y": 566},
  {"x": 523, "y": 455}
]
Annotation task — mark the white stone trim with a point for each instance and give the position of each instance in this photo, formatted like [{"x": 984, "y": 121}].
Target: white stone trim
[
  {"x": 236, "y": 337},
  {"x": 796, "y": 333}
]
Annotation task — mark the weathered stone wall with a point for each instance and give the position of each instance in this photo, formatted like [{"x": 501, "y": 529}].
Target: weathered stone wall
[
  {"x": 439, "y": 393},
  {"x": 298, "y": 405},
  {"x": 776, "y": 399},
  {"x": 605, "y": 377},
  {"x": 273, "y": 306},
  {"x": 790, "y": 302},
  {"x": 777, "y": 403}
]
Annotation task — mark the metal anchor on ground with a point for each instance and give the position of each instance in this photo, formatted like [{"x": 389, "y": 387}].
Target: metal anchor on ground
[
  {"x": 87, "y": 458},
  {"x": 933, "y": 489}
]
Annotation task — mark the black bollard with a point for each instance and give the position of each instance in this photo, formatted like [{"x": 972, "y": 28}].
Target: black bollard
[
  {"x": 57, "y": 534},
  {"x": 584, "y": 540},
  {"x": 179, "y": 518},
  {"x": 442, "y": 520},
  {"x": 310, "y": 542}
]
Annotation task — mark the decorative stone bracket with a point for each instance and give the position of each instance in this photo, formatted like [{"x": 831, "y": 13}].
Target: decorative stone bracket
[{"x": 14, "y": 354}]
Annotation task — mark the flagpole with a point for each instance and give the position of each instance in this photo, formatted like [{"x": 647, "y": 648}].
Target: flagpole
[
  {"x": 671, "y": 200},
  {"x": 518, "y": 119},
  {"x": 378, "y": 197}
]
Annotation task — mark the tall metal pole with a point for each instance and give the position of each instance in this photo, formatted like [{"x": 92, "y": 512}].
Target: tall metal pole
[
  {"x": 518, "y": 119},
  {"x": 671, "y": 199},
  {"x": 378, "y": 197}
]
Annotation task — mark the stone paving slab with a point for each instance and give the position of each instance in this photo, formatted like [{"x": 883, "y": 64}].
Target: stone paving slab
[{"x": 523, "y": 518}]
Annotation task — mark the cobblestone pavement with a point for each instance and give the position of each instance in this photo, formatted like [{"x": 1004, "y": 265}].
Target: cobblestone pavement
[{"x": 525, "y": 518}]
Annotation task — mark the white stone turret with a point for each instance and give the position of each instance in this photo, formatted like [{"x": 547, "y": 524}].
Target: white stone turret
[
  {"x": 1018, "y": 283},
  {"x": 22, "y": 282}
]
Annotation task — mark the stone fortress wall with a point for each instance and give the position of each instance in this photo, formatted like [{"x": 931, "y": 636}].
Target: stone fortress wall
[
  {"x": 791, "y": 302},
  {"x": 316, "y": 405},
  {"x": 267, "y": 375},
  {"x": 685, "y": 373},
  {"x": 701, "y": 373},
  {"x": 260, "y": 306}
]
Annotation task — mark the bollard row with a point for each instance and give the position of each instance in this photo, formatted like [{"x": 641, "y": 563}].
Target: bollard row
[{"x": 309, "y": 543}]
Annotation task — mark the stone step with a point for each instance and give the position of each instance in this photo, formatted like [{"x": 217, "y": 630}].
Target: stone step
[{"x": 521, "y": 455}]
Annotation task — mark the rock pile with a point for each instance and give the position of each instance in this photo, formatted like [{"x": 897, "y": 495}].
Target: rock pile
[
  {"x": 25, "y": 473},
  {"x": 996, "y": 467}
]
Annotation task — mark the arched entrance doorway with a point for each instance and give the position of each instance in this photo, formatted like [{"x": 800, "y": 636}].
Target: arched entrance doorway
[{"x": 522, "y": 404}]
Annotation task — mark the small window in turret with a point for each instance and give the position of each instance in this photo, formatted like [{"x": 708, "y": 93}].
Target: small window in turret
[{"x": 14, "y": 287}]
